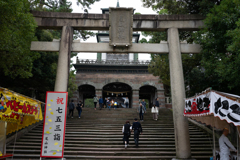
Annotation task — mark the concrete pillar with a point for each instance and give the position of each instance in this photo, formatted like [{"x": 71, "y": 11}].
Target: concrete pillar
[
  {"x": 153, "y": 97},
  {"x": 80, "y": 96},
  {"x": 75, "y": 97},
  {"x": 182, "y": 141},
  {"x": 3, "y": 126},
  {"x": 99, "y": 94},
  {"x": 161, "y": 96},
  {"x": 135, "y": 98},
  {"x": 61, "y": 82}
]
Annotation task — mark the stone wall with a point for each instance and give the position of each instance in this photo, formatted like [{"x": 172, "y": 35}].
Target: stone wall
[{"x": 136, "y": 81}]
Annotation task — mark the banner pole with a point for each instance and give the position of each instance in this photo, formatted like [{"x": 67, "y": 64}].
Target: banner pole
[
  {"x": 237, "y": 141},
  {"x": 214, "y": 152},
  {"x": 15, "y": 142}
]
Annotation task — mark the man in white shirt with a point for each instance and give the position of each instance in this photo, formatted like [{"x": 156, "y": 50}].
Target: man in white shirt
[
  {"x": 126, "y": 130},
  {"x": 225, "y": 146}
]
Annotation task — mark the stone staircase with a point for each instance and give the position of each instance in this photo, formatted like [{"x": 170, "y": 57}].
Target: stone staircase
[{"x": 97, "y": 135}]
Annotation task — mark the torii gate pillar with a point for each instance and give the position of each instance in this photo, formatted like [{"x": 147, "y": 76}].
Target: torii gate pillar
[
  {"x": 61, "y": 82},
  {"x": 182, "y": 140}
]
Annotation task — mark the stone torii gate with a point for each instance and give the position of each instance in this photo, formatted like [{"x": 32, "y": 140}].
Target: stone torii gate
[{"x": 67, "y": 22}]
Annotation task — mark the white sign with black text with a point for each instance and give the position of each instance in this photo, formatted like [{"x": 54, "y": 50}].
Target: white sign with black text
[{"x": 53, "y": 135}]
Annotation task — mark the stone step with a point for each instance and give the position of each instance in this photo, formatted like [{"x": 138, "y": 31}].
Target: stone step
[
  {"x": 115, "y": 125},
  {"x": 116, "y": 153},
  {"x": 90, "y": 157},
  {"x": 111, "y": 133},
  {"x": 120, "y": 126},
  {"x": 118, "y": 142},
  {"x": 97, "y": 135},
  {"x": 115, "y": 145},
  {"x": 114, "y": 136},
  {"x": 204, "y": 148},
  {"x": 120, "y": 129}
]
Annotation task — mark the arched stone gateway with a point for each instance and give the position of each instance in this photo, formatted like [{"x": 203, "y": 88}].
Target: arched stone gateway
[
  {"x": 101, "y": 76},
  {"x": 118, "y": 92},
  {"x": 85, "y": 91},
  {"x": 148, "y": 92}
]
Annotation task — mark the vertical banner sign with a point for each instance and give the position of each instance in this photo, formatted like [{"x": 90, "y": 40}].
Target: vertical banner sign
[{"x": 54, "y": 125}]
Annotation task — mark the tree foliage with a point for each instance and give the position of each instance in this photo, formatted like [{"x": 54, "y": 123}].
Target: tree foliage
[
  {"x": 220, "y": 45},
  {"x": 30, "y": 73},
  {"x": 181, "y": 6},
  {"x": 51, "y": 5},
  {"x": 72, "y": 87},
  {"x": 159, "y": 65},
  {"x": 86, "y": 3},
  {"x": 218, "y": 65},
  {"x": 17, "y": 29},
  {"x": 43, "y": 72}
]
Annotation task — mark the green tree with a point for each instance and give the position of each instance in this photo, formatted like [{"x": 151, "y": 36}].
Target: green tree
[
  {"x": 89, "y": 103},
  {"x": 60, "y": 5},
  {"x": 181, "y": 6},
  {"x": 41, "y": 65},
  {"x": 220, "y": 45},
  {"x": 72, "y": 87},
  {"x": 159, "y": 65},
  {"x": 16, "y": 33},
  {"x": 43, "y": 72},
  {"x": 86, "y": 3},
  {"x": 218, "y": 65}
]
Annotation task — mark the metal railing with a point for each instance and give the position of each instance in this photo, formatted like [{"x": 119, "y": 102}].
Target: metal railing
[{"x": 113, "y": 62}]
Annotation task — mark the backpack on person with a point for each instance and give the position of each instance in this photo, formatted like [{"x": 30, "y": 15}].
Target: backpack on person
[
  {"x": 71, "y": 106},
  {"x": 127, "y": 129},
  {"x": 95, "y": 99},
  {"x": 79, "y": 106}
]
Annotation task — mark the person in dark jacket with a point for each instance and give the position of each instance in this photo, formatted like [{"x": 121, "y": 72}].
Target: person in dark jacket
[
  {"x": 137, "y": 128},
  {"x": 79, "y": 108},
  {"x": 126, "y": 130},
  {"x": 157, "y": 102},
  {"x": 100, "y": 103},
  {"x": 141, "y": 110},
  {"x": 71, "y": 108},
  {"x": 144, "y": 104},
  {"x": 105, "y": 103}
]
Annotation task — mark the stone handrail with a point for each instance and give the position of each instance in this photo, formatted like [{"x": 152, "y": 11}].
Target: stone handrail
[{"x": 112, "y": 62}]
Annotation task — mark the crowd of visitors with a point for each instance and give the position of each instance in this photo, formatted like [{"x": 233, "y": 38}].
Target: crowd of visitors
[
  {"x": 107, "y": 103},
  {"x": 136, "y": 126}
]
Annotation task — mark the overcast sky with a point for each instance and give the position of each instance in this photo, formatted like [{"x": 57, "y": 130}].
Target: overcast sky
[{"x": 96, "y": 8}]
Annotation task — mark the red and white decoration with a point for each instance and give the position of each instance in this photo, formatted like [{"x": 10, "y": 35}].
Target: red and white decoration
[{"x": 223, "y": 105}]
